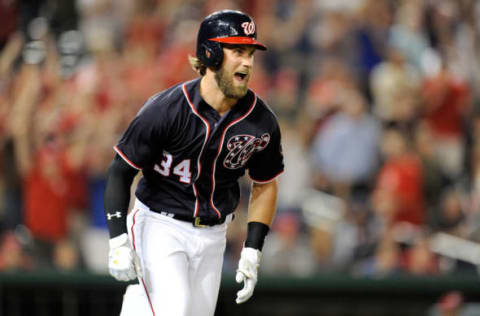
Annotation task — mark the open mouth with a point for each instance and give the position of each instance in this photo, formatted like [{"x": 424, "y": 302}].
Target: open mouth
[{"x": 240, "y": 76}]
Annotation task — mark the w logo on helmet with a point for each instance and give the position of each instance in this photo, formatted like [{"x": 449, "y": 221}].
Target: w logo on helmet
[
  {"x": 248, "y": 28},
  {"x": 241, "y": 148}
]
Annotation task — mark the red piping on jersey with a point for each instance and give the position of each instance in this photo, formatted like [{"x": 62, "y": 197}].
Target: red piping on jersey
[
  {"x": 221, "y": 146},
  {"x": 207, "y": 135},
  {"x": 125, "y": 158},
  {"x": 135, "y": 248}
]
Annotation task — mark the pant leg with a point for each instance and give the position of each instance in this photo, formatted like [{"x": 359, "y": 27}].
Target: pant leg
[
  {"x": 206, "y": 273},
  {"x": 135, "y": 301},
  {"x": 161, "y": 249},
  {"x": 166, "y": 282}
]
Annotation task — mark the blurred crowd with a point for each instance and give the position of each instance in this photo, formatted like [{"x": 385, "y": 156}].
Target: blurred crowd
[{"x": 378, "y": 105}]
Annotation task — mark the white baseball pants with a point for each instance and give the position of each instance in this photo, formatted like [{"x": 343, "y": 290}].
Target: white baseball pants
[{"x": 182, "y": 265}]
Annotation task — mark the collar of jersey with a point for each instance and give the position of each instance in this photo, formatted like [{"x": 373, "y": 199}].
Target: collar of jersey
[{"x": 240, "y": 108}]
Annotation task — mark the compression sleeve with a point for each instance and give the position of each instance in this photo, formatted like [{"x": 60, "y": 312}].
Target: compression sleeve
[{"x": 117, "y": 195}]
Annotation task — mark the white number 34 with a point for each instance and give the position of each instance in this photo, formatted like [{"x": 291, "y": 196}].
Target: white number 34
[{"x": 182, "y": 169}]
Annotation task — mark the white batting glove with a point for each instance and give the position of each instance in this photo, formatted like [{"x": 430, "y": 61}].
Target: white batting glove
[
  {"x": 123, "y": 262},
  {"x": 247, "y": 273}
]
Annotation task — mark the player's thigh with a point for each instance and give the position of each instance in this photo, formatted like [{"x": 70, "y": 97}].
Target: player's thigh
[
  {"x": 165, "y": 269},
  {"x": 206, "y": 274}
]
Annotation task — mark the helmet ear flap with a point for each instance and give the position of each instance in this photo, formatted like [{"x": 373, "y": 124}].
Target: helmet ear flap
[{"x": 211, "y": 54}]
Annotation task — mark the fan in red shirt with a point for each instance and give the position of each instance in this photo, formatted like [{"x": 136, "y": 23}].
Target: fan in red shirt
[
  {"x": 398, "y": 195},
  {"x": 46, "y": 190},
  {"x": 446, "y": 103}
]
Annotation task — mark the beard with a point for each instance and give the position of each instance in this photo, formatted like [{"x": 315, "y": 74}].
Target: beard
[{"x": 224, "y": 81}]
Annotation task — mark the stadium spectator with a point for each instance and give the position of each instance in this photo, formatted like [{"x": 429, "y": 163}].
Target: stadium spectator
[
  {"x": 395, "y": 85},
  {"x": 446, "y": 104},
  {"x": 345, "y": 149},
  {"x": 398, "y": 194},
  {"x": 289, "y": 250}
]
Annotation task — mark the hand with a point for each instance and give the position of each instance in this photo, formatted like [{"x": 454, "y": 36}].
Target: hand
[
  {"x": 123, "y": 262},
  {"x": 247, "y": 273}
]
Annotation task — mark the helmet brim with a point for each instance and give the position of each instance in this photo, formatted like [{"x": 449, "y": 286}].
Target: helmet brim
[{"x": 239, "y": 40}]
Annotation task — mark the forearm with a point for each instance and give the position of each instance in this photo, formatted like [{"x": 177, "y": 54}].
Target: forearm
[
  {"x": 117, "y": 196},
  {"x": 22, "y": 116},
  {"x": 263, "y": 201},
  {"x": 10, "y": 52}
]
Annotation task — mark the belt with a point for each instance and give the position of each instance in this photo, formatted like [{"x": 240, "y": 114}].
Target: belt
[{"x": 198, "y": 221}]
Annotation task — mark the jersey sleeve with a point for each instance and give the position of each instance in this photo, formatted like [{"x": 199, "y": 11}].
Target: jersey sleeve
[
  {"x": 144, "y": 137},
  {"x": 266, "y": 165}
]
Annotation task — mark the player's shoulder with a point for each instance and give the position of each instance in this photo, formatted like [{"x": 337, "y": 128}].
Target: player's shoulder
[
  {"x": 263, "y": 109},
  {"x": 263, "y": 105},
  {"x": 166, "y": 98},
  {"x": 168, "y": 101}
]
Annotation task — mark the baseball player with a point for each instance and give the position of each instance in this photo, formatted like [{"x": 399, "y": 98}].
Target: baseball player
[{"x": 192, "y": 143}]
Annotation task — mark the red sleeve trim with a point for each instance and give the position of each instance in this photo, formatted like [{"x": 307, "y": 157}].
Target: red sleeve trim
[
  {"x": 125, "y": 158},
  {"x": 265, "y": 181}
]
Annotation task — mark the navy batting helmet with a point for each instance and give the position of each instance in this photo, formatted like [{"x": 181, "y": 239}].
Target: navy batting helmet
[{"x": 226, "y": 26}]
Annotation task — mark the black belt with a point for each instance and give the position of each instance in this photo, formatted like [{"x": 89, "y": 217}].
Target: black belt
[{"x": 196, "y": 221}]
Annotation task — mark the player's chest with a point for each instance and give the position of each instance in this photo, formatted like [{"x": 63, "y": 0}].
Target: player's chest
[{"x": 200, "y": 144}]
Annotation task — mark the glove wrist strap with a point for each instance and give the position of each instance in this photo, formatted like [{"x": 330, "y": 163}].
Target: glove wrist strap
[
  {"x": 256, "y": 234},
  {"x": 118, "y": 241}
]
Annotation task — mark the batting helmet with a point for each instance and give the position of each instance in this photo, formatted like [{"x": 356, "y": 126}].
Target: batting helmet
[{"x": 225, "y": 26}]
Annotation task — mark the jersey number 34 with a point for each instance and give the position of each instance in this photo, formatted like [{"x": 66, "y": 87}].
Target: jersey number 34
[{"x": 182, "y": 169}]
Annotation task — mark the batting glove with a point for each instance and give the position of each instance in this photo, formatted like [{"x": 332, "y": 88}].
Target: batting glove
[
  {"x": 247, "y": 273},
  {"x": 123, "y": 262}
]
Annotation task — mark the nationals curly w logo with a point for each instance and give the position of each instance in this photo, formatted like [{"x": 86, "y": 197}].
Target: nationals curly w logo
[
  {"x": 248, "y": 28},
  {"x": 241, "y": 148}
]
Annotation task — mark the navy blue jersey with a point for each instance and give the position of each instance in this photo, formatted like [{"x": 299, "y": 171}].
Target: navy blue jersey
[{"x": 192, "y": 158}]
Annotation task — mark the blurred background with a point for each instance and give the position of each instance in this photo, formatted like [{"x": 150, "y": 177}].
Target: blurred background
[{"x": 378, "y": 101}]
